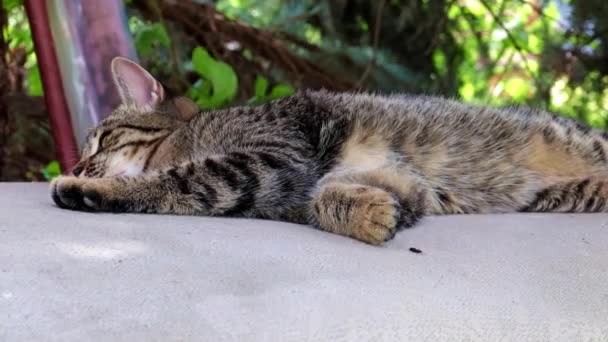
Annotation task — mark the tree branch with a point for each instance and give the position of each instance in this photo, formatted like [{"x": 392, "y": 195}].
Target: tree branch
[
  {"x": 510, "y": 36},
  {"x": 377, "y": 28},
  {"x": 212, "y": 29}
]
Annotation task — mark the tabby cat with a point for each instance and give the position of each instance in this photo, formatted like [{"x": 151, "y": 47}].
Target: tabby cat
[{"x": 358, "y": 165}]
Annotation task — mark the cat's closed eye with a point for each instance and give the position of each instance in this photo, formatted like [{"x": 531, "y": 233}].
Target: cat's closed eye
[{"x": 103, "y": 140}]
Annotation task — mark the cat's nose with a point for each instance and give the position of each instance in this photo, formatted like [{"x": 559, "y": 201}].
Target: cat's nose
[{"x": 77, "y": 170}]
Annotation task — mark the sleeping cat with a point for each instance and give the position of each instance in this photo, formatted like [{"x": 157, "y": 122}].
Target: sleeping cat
[{"x": 358, "y": 165}]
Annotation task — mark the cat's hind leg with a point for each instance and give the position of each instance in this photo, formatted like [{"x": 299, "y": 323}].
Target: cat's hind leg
[
  {"x": 370, "y": 206},
  {"x": 588, "y": 194}
]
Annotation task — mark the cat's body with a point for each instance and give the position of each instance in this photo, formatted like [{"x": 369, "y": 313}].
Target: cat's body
[{"x": 354, "y": 164}]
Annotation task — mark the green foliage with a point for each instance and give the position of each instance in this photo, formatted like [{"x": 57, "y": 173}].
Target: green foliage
[
  {"x": 34, "y": 82},
  {"x": 51, "y": 170},
  {"x": 582, "y": 101},
  {"x": 152, "y": 43},
  {"x": 490, "y": 52},
  {"x": 506, "y": 47},
  {"x": 218, "y": 84},
  {"x": 149, "y": 38},
  {"x": 261, "y": 87},
  {"x": 496, "y": 52},
  {"x": 255, "y": 12},
  {"x": 281, "y": 90},
  {"x": 17, "y": 34},
  {"x": 262, "y": 95},
  {"x": 10, "y": 5}
]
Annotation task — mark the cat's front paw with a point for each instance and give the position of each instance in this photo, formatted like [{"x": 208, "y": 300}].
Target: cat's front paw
[
  {"x": 376, "y": 217},
  {"x": 86, "y": 194},
  {"x": 366, "y": 213},
  {"x": 66, "y": 192}
]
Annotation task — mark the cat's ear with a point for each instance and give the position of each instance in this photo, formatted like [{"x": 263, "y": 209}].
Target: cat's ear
[
  {"x": 186, "y": 108},
  {"x": 136, "y": 87}
]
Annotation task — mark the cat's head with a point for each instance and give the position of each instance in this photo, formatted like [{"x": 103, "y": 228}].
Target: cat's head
[{"x": 125, "y": 142}]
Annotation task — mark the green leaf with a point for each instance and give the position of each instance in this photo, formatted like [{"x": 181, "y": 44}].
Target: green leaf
[
  {"x": 535, "y": 44},
  {"x": 517, "y": 88},
  {"x": 9, "y": 5},
  {"x": 467, "y": 91},
  {"x": 225, "y": 83},
  {"x": 223, "y": 79},
  {"x": 151, "y": 37},
  {"x": 476, "y": 7},
  {"x": 201, "y": 61},
  {"x": 439, "y": 61},
  {"x": 261, "y": 86},
  {"x": 34, "y": 83},
  {"x": 281, "y": 90},
  {"x": 51, "y": 170}
]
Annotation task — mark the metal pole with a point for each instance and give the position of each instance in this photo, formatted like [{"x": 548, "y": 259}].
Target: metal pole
[
  {"x": 54, "y": 96},
  {"x": 87, "y": 35}
]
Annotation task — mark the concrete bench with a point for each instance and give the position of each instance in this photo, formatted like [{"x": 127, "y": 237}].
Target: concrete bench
[{"x": 74, "y": 276}]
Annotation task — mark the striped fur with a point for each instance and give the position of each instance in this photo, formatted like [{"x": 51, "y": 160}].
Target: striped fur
[{"x": 359, "y": 165}]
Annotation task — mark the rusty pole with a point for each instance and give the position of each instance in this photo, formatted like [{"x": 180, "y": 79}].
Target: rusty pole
[{"x": 54, "y": 96}]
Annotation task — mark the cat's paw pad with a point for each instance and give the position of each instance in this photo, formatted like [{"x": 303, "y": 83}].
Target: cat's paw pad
[
  {"x": 377, "y": 216},
  {"x": 89, "y": 202},
  {"x": 101, "y": 196},
  {"x": 67, "y": 193},
  {"x": 84, "y": 194}
]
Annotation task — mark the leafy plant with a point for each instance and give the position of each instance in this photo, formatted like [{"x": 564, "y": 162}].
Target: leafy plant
[
  {"x": 18, "y": 35},
  {"x": 51, "y": 170},
  {"x": 10, "y": 5},
  {"x": 218, "y": 84},
  {"x": 262, "y": 95},
  {"x": 150, "y": 37}
]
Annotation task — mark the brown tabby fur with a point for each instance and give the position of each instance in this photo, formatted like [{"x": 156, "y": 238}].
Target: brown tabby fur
[{"x": 359, "y": 165}]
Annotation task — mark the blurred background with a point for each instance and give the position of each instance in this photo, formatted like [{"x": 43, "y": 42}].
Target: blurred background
[{"x": 551, "y": 54}]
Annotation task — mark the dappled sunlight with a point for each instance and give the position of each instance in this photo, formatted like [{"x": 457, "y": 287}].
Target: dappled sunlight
[{"x": 102, "y": 250}]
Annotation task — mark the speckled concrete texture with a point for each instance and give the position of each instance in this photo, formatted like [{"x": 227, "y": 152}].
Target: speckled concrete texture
[{"x": 72, "y": 276}]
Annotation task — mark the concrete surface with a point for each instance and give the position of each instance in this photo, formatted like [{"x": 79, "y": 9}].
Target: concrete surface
[{"x": 70, "y": 276}]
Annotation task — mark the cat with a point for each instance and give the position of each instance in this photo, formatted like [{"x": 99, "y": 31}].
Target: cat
[{"x": 360, "y": 165}]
